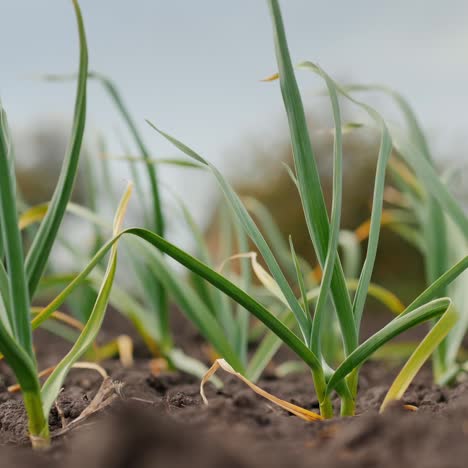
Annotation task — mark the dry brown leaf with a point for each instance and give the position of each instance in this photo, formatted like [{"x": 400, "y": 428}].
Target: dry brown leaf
[
  {"x": 294, "y": 409},
  {"x": 107, "y": 393}
]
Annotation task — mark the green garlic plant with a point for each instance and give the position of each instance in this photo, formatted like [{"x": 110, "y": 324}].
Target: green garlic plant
[
  {"x": 439, "y": 227},
  {"x": 20, "y": 274},
  {"x": 324, "y": 233}
]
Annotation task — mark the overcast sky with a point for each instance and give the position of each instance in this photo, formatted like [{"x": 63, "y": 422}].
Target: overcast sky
[{"x": 194, "y": 66}]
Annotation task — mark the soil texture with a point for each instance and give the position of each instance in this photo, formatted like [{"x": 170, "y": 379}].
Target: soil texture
[{"x": 160, "y": 420}]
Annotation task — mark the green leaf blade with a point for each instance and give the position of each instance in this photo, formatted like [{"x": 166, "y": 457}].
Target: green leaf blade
[
  {"x": 308, "y": 178},
  {"x": 42, "y": 245},
  {"x": 17, "y": 299}
]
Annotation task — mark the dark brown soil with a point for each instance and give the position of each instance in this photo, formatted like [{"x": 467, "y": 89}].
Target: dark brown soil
[{"x": 161, "y": 421}]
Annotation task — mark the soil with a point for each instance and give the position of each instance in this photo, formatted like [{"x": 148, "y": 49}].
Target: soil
[{"x": 160, "y": 420}]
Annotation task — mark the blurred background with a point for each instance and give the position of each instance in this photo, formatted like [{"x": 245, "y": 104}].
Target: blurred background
[{"x": 194, "y": 68}]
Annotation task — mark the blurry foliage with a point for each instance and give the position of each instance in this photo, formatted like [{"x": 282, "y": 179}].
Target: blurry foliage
[{"x": 39, "y": 151}]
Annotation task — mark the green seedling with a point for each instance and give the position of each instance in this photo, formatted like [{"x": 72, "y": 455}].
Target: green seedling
[
  {"x": 20, "y": 274},
  {"x": 324, "y": 233},
  {"x": 438, "y": 227}
]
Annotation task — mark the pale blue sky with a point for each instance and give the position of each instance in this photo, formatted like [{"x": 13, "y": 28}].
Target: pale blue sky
[{"x": 194, "y": 66}]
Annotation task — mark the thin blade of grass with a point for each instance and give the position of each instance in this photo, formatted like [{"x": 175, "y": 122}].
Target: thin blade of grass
[
  {"x": 300, "y": 280},
  {"x": 439, "y": 285},
  {"x": 119, "y": 299},
  {"x": 113, "y": 92},
  {"x": 214, "y": 278},
  {"x": 433, "y": 220},
  {"x": 53, "y": 384},
  {"x": 192, "y": 306},
  {"x": 459, "y": 294},
  {"x": 421, "y": 303},
  {"x": 381, "y": 294},
  {"x": 158, "y": 294},
  {"x": 398, "y": 325},
  {"x": 5, "y": 305},
  {"x": 229, "y": 288},
  {"x": 143, "y": 322},
  {"x": 39, "y": 252},
  {"x": 308, "y": 178},
  {"x": 17, "y": 297},
  {"x": 223, "y": 308},
  {"x": 267, "y": 348},
  {"x": 163, "y": 161},
  {"x": 272, "y": 233},
  {"x": 252, "y": 231},
  {"x": 5, "y": 301},
  {"x": 242, "y": 315},
  {"x": 158, "y": 223},
  {"x": 37, "y": 213},
  {"x": 377, "y": 199},
  {"x": 430, "y": 178},
  {"x": 422, "y": 353},
  {"x": 404, "y": 106},
  {"x": 335, "y": 219}
]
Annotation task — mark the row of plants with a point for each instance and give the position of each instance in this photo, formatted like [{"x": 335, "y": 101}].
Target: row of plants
[{"x": 280, "y": 300}]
